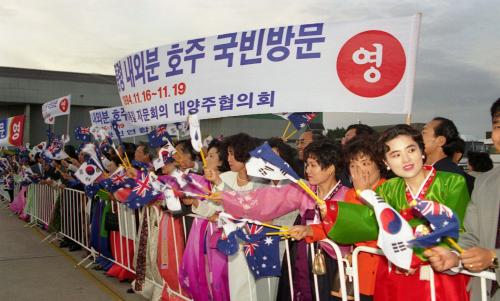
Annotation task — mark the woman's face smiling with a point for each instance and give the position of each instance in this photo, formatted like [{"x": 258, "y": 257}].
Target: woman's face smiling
[{"x": 404, "y": 156}]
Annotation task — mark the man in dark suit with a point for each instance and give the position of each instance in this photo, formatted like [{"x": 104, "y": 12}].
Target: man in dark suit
[
  {"x": 440, "y": 137},
  {"x": 481, "y": 240}
]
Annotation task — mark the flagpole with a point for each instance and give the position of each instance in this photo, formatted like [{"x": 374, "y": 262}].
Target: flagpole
[
  {"x": 203, "y": 159},
  {"x": 67, "y": 126},
  {"x": 410, "y": 81},
  {"x": 286, "y": 130},
  {"x": 408, "y": 119},
  {"x": 290, "y": 136}
]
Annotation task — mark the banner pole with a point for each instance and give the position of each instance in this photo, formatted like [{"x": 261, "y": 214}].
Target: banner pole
[
  {"x": 415, "y": 34},
  {"x": 67, "y": 127},
  {"x": 408, "y": 119}
]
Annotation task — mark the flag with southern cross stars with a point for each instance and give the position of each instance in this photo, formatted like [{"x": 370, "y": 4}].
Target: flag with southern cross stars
[
  {"x": 261, "y": 251},
  {"x": 442, "y": 221},
  {"x": 92, "y": 189},
  {"x": 117, "y": 180},
  {"x": 82, "y": 134},
  {"x": 142, "y": 192},
  {"x": 273, "y": 162},
  {"x": 299, "y": 120},
  {"x": 159, "y": 137}
]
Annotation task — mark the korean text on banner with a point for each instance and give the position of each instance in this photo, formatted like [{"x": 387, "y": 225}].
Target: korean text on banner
[
  {"x": 12, "y": 131},
  {"x": 102, "y": 118},
  {"x": 57, "y": 107},
  {"x": 321, "y": 67}
]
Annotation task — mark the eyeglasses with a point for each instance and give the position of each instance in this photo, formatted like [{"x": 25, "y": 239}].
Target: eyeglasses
[{"x": 302, "y": 141}]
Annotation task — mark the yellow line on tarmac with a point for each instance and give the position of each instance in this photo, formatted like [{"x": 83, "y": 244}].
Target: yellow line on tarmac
[{"x": 114, "y": 294}]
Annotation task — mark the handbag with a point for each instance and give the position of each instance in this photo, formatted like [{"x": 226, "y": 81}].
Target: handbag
[{"x": 319, "y": 265}]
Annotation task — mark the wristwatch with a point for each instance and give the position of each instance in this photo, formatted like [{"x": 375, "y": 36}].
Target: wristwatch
[{"x": 494, "y": 260}]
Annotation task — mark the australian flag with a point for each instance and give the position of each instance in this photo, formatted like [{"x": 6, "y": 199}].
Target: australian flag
[
  {"x": 92, "y": 189},
  {"x": 142, "y": 192},
  {"x": 300, "y": 120},
  {"x": 441, "y": 220},
  {"x": 266, "y": 153},
  {"x": 82, "y": 134},
  {"x": 159, "y": 137},
  {"x": 261, "y": 251},
  {"x": 117, "y": 180}
]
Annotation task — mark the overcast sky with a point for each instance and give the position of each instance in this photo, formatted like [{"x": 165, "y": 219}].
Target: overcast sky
[{"x": 458, "y": 65}]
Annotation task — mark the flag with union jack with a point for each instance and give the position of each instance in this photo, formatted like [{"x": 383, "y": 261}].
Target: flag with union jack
[
  {"x": 142, "y": 192},
  {"x": 82, "y": 134},
  {"x": 117, "y": 180},
  {"x": 299, "y": 120},
  {"x": 441, "y": 220},
  {"x": 261, "y": 251},
  {"x": 159, "y": 137}
]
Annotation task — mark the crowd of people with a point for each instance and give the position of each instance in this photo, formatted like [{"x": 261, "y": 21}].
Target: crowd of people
[{"x": 193, "y": 253}]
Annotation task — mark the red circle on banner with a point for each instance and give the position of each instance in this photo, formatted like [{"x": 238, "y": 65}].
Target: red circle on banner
[
  {"x": 371, "y": 63},
  {"x": 63, "y": 105}
]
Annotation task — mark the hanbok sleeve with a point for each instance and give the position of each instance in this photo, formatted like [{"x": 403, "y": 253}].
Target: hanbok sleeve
[
  {"x": 347, "y": 223},
  {"x": 267, "y": 203},
  {"x": 206, "y": 208}
]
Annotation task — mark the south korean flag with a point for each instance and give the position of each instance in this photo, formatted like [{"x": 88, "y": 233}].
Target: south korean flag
[
  {"x": 394, "y": 231},
  {"x": 87, "y": 173},
  {"x": 256, "y": 167}
]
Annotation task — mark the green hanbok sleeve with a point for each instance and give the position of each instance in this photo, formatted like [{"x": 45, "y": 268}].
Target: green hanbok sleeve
[{"x": 347, "y": 223}]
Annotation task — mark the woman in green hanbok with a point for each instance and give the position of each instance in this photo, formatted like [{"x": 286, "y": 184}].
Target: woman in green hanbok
[{"x": 345, "y": 223}]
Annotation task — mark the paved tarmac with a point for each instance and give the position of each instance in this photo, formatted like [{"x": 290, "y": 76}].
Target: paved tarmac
[{"x": 35, "y": 270}]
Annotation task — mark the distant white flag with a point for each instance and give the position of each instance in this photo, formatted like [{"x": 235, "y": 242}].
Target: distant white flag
[
  {"x": 394, "y": 231},
  {"x": 195, "y": 132},
  {"x": 57, "y": 107}
]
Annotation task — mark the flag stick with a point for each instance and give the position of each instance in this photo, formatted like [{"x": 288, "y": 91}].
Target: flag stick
[
  {"x": 118, "y": 154},
  {"x": 67, "y": 126},
  {"x": 306, "y": 188},
  {"x": 272, "y": 226},
  {"x": 454, "y": 245},
  {"x": 203, "y": 159},
  {"x": 286, "y": 129},
  {"x": 408, "y": 119},
  {"x": 126, "y": 158},
  {"x": 284, "y": 233},
  {"x": 290, "y": 136}
]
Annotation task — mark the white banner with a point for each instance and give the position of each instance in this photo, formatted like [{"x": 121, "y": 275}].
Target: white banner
[
  {"x": 57, "y": 107},
  {"x": 339, "y": 67},
  {"x": 102, "y": 118}
]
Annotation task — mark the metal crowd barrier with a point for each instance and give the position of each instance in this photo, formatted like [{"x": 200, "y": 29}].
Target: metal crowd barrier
[
  {"x": 485, "y": 275},
  {"x": 42, "y": 207},
  {"x": 75, "y": 225}
]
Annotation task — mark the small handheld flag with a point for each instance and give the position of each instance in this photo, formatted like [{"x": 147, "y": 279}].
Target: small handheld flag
[
  {"x": 195, "y": 134},
  {"x": 82, "y": 134},
  {"x": 87, "y": 173},
  {"x": 394, "y": 231},
  {"x": 442, "y": 222},
  {"x": 159, "y": 137}
]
